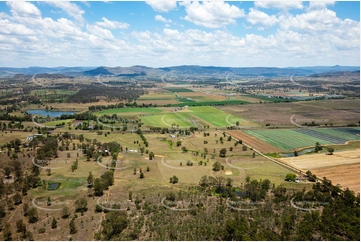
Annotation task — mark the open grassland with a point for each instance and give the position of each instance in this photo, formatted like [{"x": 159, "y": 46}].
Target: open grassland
[
  {"x": 7, "y": 136},
  {"x": 342, "y": 167}
]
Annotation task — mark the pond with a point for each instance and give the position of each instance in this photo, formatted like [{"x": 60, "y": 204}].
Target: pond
[
  {"x": 45, "y": 113},
  {"x": 298, "y": 152},
  {"x": 54, "y": 186}
]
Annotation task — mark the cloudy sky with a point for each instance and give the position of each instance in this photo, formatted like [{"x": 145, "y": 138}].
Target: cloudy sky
[{"x": 167, "y": 33}]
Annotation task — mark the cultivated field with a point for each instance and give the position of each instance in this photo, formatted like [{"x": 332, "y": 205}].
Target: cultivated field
[
  {"x": 288, "y": 140},
  {"x": 254, "y": 142},
  {"x": 336, "y": 112},
  {"x": 342, "y": 167}
]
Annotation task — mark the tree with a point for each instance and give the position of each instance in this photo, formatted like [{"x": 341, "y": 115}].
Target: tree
[
  {"x": 222, "y": 152},
  {"x": 17, "y": 198},
  {"x": 115, "y": 222},
  {"x": 7, "y": 171},
  {"x": 244, "y": 148},
  {"x": 90, "y": 179},
  {"x": 54, "y": 223},
  {"x": 20, "y": 227},
  {"x": 65, "y": 212},
  {"x": 98, "y": 187},
  {"x": 330, "y": 150},
  {"x": 7, "y": 232},
  {"x": 72, "y": 227},
  {"x": 33, "y": 215},
  {"x": 184, "y": 149},
  {"x": 217, "y": 166},
  {"x": 81, "y": 205},
  {"x": 173, "y": 179},
  {"x": 229, "y": 182},
  {"x": 151, "y": 155},
  {"x": 291, "y": 177},
  {"x": 25, "y": 209},
  {"x": 179, "y": 143},
  {"x": 148, "y": 168},
  {"x": 318, "y": 147},
  {"x": 141, "y": 176},
  {"x": 229, "y": 138}
]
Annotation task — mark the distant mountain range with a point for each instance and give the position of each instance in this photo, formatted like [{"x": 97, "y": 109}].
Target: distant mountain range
[{"x": 189, "y": 70}]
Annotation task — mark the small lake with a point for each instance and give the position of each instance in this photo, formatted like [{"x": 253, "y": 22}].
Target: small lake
[
  {"x": 45, "y": 113},
  {"x": 299, "y": 152},
  {"x": 54, "y": 186}
]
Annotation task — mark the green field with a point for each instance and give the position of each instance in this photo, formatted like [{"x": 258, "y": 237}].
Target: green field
[
  {"x": 178, "y": 89},
  {"x": 214, "y": 116},
  {"x": 166, "y": 120},
  {"x": 287, "y": 139}
]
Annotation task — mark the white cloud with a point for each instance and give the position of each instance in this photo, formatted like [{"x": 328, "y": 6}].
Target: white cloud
[
  {"x": 112, "y": 24},
  {"x": 23, "y": 9},
  {"x": 71, "y": 9},
  {"x": 316, "y": 37},
  {"x": 319, "y": 4},
  {"x": 283, "y": 5},
  {"x": 99, "y": 32},
  {"x": 212, "y": 14},
  {"x": 162, "y": 6},
  {"x": 8, "y": 28},
  {"x": 162, "y": 19},
  {"x": 261, "y": 19}
]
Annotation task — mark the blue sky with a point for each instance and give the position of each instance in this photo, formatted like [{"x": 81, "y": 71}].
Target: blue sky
[{"x": 167, "y": 33}]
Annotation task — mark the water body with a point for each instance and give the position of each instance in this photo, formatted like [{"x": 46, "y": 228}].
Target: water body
[
  {"x": 45, "y": 113},
  {"x": 299, "y": 152}
]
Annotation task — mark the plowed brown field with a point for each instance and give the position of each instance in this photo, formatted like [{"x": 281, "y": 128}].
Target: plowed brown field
[
  {"x": 254, "y": 142},
  {"x": 343, "y": 167}
]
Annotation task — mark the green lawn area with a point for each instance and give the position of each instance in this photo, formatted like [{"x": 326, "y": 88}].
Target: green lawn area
[
  {"x": 214, "y": 116},
  {"x": 166, "y": 120}
]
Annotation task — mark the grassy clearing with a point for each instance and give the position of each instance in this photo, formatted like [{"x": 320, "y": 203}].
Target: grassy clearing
[
  {"x": 166, "y": 120},
  {"x": 214, "y": 116}
]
